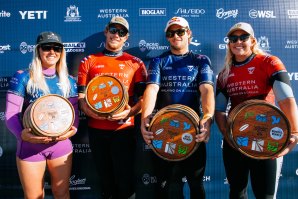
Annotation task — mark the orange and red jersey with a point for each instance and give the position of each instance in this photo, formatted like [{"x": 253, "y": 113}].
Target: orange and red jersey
[
  {"x": 251, "y": 80},
  {"x": 128, "y": 69}
]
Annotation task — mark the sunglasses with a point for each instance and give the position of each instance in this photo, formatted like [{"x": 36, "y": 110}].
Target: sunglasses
[
  {"x": 234, "y": 38},
  {"x": 47, "y": 48},
  {"x": 121, "y": 32},
  {"x": 179, "y": 32}
]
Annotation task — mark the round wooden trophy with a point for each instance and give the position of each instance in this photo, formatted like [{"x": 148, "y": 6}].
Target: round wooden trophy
[
  {"x": 50, "y": 115},
  {"x": 175, "y": 128},
  {"x": 106, "y": 95},
  {"x": 258, "y": 129}
]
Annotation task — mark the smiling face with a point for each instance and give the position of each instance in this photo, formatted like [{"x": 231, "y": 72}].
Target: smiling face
[
  {"x": 115, "y": 42},
  {"x": 179, "y": 44},
  {"x": 241, "y": 49},
  {"x": 49, "y": 54}
]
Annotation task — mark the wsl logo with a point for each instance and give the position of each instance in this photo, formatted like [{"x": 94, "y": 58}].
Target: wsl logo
[
  {"x": 72, "y": 14},
  {"x": 268, "y": 14}
]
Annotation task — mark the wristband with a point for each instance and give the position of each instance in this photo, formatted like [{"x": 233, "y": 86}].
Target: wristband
[{"x": 207, "y": 116}]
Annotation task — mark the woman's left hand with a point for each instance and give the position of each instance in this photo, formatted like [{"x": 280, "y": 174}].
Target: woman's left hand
[{"x": 67, "y": 135}]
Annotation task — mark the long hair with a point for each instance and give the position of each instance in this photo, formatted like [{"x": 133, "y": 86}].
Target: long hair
[
  {"x": 37, "y": 80},
  {"x": 229, "y": 59}
]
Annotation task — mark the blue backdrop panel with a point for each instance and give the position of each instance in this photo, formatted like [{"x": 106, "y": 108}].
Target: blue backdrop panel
[{"x": 81, "y": 25}]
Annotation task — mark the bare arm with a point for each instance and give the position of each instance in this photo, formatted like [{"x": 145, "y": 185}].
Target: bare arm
[
  {"x": 208, "y": 104},
  {"x": 149, "y": 100},
  {"x": 289, "y": 107}
]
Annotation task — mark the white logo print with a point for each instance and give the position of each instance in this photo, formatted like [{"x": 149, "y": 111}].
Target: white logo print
[
  {"x": 190, "y": 67},
  {"x": 264, "y": 43},
  {"x": 72, "y": 14},
  {"x": 251, "y": 70}
]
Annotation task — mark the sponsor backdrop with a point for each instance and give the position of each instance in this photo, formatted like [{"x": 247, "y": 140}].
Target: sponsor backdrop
[{"x": 81, "y": 25}]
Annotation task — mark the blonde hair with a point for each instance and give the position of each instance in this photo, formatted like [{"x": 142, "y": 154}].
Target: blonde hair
[
  {"x": 229, "y": 60},
  {"x": 37, "y": 80}
]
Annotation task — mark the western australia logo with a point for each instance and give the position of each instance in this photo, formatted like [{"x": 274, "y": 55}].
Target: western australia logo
[{"x": 72, "y": 14}]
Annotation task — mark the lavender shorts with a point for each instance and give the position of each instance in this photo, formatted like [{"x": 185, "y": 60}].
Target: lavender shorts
[{"x": 40, "y": 152}]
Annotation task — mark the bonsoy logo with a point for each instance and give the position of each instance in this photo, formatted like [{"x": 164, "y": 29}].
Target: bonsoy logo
[{"x": 37, "y": 14}]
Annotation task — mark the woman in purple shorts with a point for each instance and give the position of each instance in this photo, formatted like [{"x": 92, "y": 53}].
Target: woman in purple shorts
[{"x": 47, "y": 74}]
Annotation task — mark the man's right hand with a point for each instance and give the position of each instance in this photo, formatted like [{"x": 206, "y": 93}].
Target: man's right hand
[{"x": 147, "y": 135}]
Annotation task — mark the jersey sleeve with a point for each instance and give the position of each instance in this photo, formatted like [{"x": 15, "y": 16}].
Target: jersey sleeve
[
  {"x": 18, "y": 83},
  {"x": 73, "y": 87},
  {"x": 205, "y": 70},
  {"x": 83, "y": 75},
  {"x": 274, "y": 65},
  {"x": 154, "y": 71},
  {"x": 140, "y": 78}
]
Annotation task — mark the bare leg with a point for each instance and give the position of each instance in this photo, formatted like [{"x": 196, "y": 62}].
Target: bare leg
[
  {"x": 32, "y": 178},
  {"x": 60, "y": 170}
]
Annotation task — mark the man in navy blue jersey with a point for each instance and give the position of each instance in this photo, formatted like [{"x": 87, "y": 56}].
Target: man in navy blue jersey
[{"x": 180, "y": 77}]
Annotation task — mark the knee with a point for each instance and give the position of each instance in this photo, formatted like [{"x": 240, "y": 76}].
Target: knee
[{"x": 60, "y": 193}]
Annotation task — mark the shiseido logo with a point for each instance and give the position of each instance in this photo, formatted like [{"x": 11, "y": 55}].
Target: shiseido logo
[{"x": 190, "y": 12}]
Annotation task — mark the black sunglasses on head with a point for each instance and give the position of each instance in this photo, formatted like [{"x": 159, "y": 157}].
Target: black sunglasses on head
[
  {"x": 180, "y": 32},
  {"x": 48, "y": 47},
  {"x": 234, "y": 38},
  {"x": 122, "y": 32}
]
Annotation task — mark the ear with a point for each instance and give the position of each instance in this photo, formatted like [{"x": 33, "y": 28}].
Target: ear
[
  {"x": 189, "y": 33},
  {"x": 105, "y": 32}
]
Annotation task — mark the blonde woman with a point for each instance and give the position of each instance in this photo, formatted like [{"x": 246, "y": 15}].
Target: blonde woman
[
  {"x": 249, "y": 73},
  {"x": 47, "y": 74}
]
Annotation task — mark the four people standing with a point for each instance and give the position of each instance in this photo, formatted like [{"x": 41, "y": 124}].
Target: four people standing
[{"x": 112, "y": 139}]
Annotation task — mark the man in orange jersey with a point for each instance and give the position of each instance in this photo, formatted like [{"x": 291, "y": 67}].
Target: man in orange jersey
[{"x": 112, "y": 139}]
